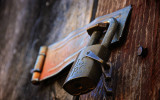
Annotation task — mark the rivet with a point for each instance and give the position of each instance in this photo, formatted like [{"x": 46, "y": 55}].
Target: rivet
[{"x": 142, "y": 51}]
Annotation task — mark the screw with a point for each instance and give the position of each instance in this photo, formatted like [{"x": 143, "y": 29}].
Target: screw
[{"x": 142, "y": 51}]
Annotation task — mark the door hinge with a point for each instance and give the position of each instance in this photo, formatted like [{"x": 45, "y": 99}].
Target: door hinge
[{"x": 39, "y": 65}]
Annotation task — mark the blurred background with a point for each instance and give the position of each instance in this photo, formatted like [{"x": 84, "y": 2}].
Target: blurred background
[{"x": 25, "y": 25}]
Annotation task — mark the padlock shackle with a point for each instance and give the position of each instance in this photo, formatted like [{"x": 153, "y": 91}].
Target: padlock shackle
[
  {"x": 94, "y": 38},
  {"x": 110, "y": 32}
]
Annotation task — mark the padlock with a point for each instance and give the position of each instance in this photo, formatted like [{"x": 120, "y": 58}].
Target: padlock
[{"x": 85, "y": 72}]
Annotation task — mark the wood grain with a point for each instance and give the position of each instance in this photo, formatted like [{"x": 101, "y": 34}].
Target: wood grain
[
  {"x": 134, "y": 77},
  {"x": 25, "y": 25}
]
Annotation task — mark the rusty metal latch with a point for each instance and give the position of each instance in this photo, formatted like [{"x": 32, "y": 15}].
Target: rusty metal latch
[
  {"x": 85, "y": 73},
  {"x": 67, "y": 50}
]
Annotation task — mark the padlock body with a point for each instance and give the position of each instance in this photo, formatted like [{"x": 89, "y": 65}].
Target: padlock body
[{"x": 85, "y": 72}]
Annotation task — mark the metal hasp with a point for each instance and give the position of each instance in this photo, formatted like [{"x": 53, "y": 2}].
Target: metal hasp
[{"x": 86, "y": 70}]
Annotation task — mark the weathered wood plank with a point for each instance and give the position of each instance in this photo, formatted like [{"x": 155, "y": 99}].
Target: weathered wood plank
[
  {"x": 25, "y": 26},
  {"x": 134, "y": 77}
]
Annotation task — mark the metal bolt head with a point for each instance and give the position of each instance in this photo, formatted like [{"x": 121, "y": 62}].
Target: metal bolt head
[{"x": 142, "y": 51}]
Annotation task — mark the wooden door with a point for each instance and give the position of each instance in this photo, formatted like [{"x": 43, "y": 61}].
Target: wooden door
[
  {"x": 25, "y": 25},
  {"x": 134, "y": 77}
]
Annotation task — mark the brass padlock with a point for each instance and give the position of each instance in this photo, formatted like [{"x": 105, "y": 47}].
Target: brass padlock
[{"x": 85, "y": 72}]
